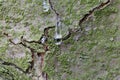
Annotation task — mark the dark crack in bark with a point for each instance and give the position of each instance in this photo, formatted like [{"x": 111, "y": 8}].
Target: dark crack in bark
[
  {"x": 86, "y": 16},
  {"x": 11, "y": 64}
]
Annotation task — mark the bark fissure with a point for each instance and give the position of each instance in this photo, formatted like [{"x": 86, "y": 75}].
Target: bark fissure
[
  {"x": 100, "y": 6},
  {"x": 37, "y": 62}
]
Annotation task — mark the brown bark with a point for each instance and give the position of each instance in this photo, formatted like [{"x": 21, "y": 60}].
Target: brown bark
[{"x": 37, "y": 72}]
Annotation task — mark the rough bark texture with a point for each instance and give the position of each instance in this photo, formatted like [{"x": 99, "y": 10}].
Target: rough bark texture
[{"x": 90, "y": 45}]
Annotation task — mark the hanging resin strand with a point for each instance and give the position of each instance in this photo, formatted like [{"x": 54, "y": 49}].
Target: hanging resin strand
[
  {"x": 58, "y": 35},
  {"x": 46, "y": 6}
]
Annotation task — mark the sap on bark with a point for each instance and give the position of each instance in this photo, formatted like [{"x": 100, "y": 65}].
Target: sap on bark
[
  {"x": 46, "y": 6},
  {"x": 58, "y": 29}
]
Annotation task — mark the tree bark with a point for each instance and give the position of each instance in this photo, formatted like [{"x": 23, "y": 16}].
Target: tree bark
[{"x": 37, "y": 71}]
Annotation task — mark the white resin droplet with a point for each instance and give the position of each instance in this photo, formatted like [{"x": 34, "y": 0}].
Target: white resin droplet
[{"x": 46, "y": 6}]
